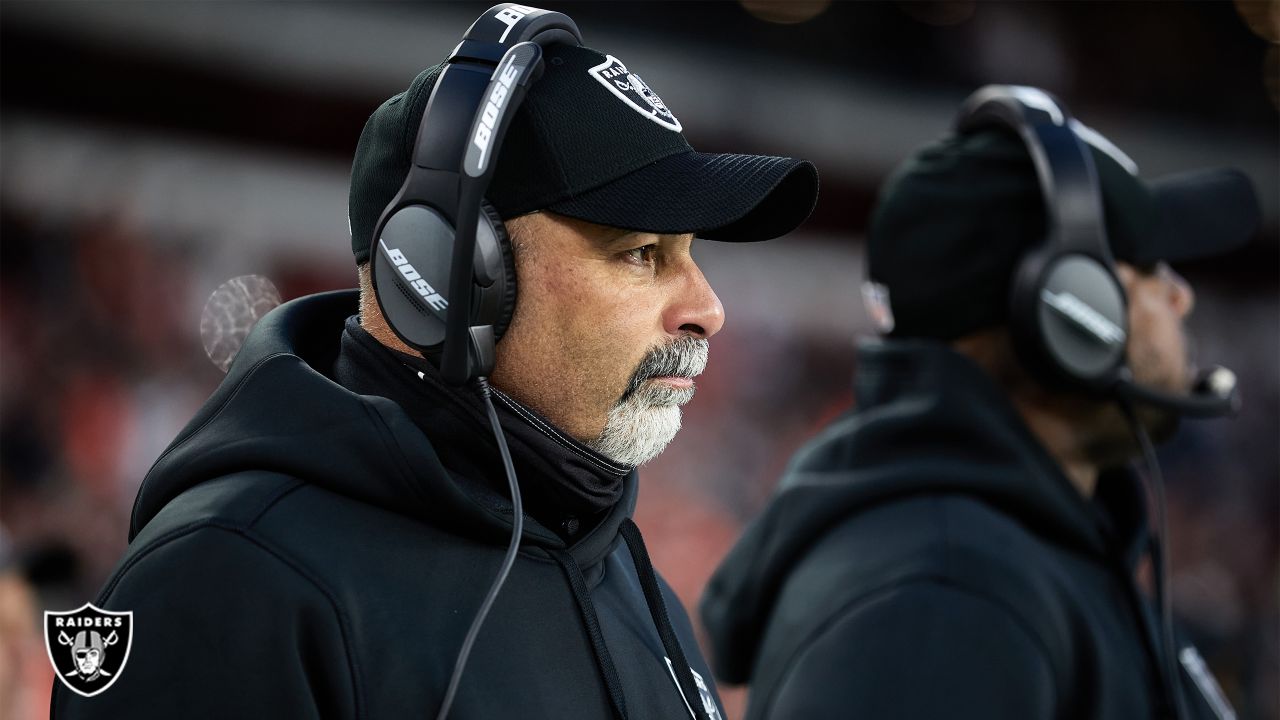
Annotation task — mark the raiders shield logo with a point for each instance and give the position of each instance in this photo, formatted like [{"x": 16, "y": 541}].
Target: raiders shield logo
[
  {"x": 88, "y": 647},
  {"x": 634, "y": 92}
]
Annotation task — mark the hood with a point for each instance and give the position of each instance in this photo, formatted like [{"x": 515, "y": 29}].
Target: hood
[
  {"x": 279, "y": 410},
  {"x": 928, "y": 420}
]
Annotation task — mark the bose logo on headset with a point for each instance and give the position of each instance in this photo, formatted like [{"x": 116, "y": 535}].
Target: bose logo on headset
[
  {"x": 510, "y": 16},
  {"x": 414, "y": 278},
  {"x": 1083, "y": 316},
  {"x": 492, "y": 110}
]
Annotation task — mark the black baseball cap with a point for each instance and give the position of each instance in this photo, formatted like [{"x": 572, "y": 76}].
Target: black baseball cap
[
  {"x": 594, "y": 142},
  {"x": 952, "y": 222}
]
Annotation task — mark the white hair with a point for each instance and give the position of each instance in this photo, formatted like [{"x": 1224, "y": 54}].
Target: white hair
[{"x": 647, "y": 416}]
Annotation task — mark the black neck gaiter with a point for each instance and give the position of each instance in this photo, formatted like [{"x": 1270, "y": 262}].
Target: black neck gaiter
[{"x": 566, "y": 486}]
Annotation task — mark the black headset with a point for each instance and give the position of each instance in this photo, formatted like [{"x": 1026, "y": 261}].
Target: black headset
[
  {"x": 443, "y": 273},
  {"x": 1068, "y": 313}
]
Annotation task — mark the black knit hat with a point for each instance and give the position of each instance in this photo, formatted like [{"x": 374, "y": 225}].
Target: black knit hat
[
  {"x": 953, "y": 221},
  {"x": 594, "y": 142}
]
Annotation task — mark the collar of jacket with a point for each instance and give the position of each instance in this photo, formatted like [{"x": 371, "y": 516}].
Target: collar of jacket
[
  {"x": 928, "y": 421},
  {"x": 566, "y": 486},
  {"x": 921, "y": 398},
  {"x": 279, "y": 409}
]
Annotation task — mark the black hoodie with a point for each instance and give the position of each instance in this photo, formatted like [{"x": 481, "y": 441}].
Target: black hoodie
[
  {"x": 302, "y": 550},
  {"x": 925, "y": 557}
]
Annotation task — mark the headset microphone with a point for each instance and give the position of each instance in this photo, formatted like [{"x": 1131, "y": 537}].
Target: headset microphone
[{"x": 1213, "y": 394}]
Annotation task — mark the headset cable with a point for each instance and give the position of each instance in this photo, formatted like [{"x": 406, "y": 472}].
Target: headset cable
[
  {"x": 517, "y": 529},
  {"x": 1159, "y": 559}
]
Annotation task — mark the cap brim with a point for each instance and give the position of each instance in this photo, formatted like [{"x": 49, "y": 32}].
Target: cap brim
[
  {"x": 1204, "y": 213},
  {"x": 715, "y": 196}
]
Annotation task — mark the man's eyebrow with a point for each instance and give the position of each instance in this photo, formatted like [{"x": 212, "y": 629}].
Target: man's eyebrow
[
  {"x": 619, "y": 236},
  {"x": 614, "y": 236}
]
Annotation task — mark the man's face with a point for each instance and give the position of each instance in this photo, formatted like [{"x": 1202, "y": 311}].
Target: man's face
[
  {"x": 595, "y": 305},
  {"x": 1158, "y": 351}
]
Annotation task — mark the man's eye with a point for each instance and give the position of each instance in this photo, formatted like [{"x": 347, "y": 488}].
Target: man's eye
[{"x": 643, "y": 255}]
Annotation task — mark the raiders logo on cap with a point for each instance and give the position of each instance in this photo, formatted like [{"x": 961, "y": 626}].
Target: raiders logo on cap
[
  {"x": 633, "y": 91},
  {"x": 88, "y": 646}
]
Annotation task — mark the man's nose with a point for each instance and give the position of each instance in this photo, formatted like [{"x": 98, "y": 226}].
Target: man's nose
[
  {"x": 696, "y": 310},
  {"x": 1181, "y": 296}
]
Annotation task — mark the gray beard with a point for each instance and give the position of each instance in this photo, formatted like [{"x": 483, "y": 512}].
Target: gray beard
[{"x": 647, "y": 416}]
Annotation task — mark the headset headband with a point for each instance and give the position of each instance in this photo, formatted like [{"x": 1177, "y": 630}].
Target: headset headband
[
  {"x": 454, "y": 102},
  {"x": 455, "y": 152},
  {"x": 519, "y": 67},
  {"x": 1068, "y": 314},
  {"x": 1067, "y": 308},
  {"x": 521, "y": 33},
  {"x": 1064, "y": 166},
  {"x": 509, "y": 24}
]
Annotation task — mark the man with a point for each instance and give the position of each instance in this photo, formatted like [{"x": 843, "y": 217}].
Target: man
[
  {"x": 964, "y": 543},
  {"x": 322, "y": 534}
]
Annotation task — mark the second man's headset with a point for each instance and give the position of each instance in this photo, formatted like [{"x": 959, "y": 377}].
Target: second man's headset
[
  {"x": 443, "y": 272},
  {"x": 1068, "y": 311}
]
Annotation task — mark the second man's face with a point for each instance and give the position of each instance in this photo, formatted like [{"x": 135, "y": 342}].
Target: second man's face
[
  {"x": 610, "y": 327},
  {"x": 1159, "y": 302}
]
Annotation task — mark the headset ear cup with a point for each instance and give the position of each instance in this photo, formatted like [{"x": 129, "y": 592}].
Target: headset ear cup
[
  {"x": 420, "y": 239},
  {"x": 505, "y": 284},
  {"x": 1068, "y": 318},
  {"x": 1024, "y": 329}
]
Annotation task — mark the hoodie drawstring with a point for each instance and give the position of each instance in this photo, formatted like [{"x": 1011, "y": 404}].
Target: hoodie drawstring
[
  {"x": 658, "y": 609},
  {"x": 592, "y": 623}
]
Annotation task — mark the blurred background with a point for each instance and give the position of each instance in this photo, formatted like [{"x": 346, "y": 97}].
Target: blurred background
[{"x": 151, "y": 151}]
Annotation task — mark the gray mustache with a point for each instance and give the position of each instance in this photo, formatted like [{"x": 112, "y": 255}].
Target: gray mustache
[{"x": 686, "y": 357}]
